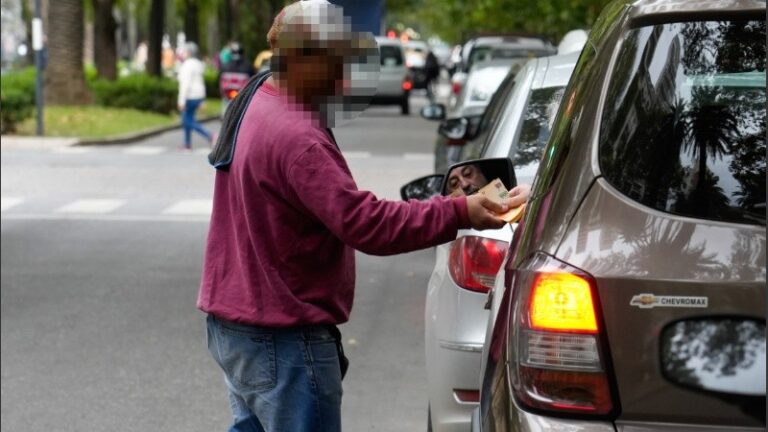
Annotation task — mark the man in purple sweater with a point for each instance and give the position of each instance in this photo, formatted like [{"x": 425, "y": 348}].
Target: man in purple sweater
[{"x": 279, "y": 270}]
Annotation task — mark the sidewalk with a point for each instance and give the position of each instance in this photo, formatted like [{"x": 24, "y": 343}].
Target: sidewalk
[{"x": 15, "y": 142}]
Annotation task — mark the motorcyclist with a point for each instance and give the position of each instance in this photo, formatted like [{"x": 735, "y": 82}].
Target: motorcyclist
[{"x": 233, "y": 75}]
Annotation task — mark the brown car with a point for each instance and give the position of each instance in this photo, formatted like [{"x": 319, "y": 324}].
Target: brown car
[{"x": 635, "y": 286}]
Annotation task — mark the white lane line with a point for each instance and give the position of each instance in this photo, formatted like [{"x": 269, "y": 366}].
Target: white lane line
[
  {"x": 144, "y": 150},
  {"x": 190, "y": 207},
  {"x": 418, "y": 156},
  {"x": 8, "y": 202},
  {"x": 72, "y": 150},
  {"x": 91, "y": 206},
  {"x": 102, "y": 217},
  {"x": 357, "y": 154}
]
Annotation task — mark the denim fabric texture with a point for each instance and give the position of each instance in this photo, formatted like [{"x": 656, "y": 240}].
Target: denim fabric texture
[
  {"x": 189, "y": 123},
  {"x": 279, "y": 379}
]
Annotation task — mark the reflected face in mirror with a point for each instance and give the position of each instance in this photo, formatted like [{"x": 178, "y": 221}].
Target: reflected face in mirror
[{"x": 465, "y": 180}]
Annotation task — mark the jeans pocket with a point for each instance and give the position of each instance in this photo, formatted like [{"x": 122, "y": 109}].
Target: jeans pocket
[{"x": 248, "y": 360}]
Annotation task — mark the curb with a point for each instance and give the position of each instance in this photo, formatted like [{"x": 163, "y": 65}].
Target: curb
[{"x": 136, "y": 136}]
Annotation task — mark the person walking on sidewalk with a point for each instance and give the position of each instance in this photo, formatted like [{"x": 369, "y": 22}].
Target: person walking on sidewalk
[
  {"x": 279, "y": 267},
  {"x": 191, "y": 94}
]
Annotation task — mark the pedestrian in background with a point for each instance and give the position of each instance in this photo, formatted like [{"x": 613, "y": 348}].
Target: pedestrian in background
[
  {"x": 279, "y": 267},
  {"x": 191, "y": 94},
  {"x": 432, "y": 69}
]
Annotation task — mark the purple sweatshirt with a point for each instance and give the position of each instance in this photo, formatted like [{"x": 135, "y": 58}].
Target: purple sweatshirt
[{"x": 286, "y": 218}]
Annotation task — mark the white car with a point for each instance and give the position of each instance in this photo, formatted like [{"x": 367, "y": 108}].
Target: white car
[
  {"x": 394, "y": 87},
  {"x": 465, "y": 269}
]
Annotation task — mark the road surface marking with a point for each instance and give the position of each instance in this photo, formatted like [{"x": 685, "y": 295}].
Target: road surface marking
[
  {"x": 418, "y": 156},
  {"x": 72, "y": 150},
  {"x": 91, "y": 206},
  {"x": 8, "y": 202},
  {"x": 190, "y": 207},
  {"x": 103, "y": 217},
  {"x": 357, "y": 154},
  {"x": 144, "y": 150}
]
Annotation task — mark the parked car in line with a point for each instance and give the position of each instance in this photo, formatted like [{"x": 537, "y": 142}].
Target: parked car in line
[
  {"x": 633, "y": 293},
  {"x": 471, "y": 104},
  {"x": 479, "y": 49},
  {"x": 465, "y": 269},
  {"x": 416, "y": 60},
  {"x": 394, "y": 87}
]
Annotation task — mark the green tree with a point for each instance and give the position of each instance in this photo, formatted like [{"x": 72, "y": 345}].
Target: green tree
[
  {"x": 104, "y": 42},
  {"x": 64, "y": 77}
]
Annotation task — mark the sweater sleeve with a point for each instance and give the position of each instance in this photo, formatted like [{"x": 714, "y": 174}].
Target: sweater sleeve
[{"x": 321, "y": 180}]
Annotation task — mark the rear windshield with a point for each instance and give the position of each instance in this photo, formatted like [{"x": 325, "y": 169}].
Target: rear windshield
[
  {"x": 391, "y": 56},
  {"x": 683, "y": 129},
  {"x": 535, "y": 130}
]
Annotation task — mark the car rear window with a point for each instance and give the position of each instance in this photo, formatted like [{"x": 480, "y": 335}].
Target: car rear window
[
  {"x": 536, "y": 128},
  {"x": 391, "y": 55},
  {"x": 683, "y": 128}
]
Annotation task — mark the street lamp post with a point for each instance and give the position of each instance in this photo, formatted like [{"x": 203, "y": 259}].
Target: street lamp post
[{"x": 37, "y": 45}]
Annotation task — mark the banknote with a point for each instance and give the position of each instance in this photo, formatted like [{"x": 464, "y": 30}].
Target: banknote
[{"x": 497, "y": 192}]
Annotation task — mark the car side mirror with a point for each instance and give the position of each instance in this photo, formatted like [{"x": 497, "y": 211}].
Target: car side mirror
[
  {"x": 422, "y": 188},
  {"x": 468, "y": 177},
  {"x": 463, "y": 128},
  {"x": 454, "y": 129},
  {"x": 433, "y": 112}
]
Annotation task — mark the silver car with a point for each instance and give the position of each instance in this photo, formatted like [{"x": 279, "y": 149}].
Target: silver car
[{"x": 465, "y": 268}]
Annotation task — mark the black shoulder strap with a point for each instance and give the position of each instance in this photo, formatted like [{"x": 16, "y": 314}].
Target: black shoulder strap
[{"x": 224, "y": 149}]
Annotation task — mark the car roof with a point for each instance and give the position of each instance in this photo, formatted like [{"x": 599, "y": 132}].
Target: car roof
[
  {"x": 648, "y": 11},
  {"x": 558, "y": 69},
  {"x": 381, "y": 40},
  {"x": 512, "y": 41}
]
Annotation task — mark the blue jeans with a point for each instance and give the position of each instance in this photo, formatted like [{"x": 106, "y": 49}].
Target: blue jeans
[
  {"x": 189, "y": 123},
  {"x": 279, "y": 379}
]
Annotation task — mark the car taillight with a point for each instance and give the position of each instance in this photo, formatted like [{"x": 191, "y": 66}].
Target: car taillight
[
  {"x": 407, "y": 85},
  {"x": 474, "y": 262},
  {"x": 456, "y": 88},
  {"x": 558, "y": 357},
  {"x": 231, "y": 94}
]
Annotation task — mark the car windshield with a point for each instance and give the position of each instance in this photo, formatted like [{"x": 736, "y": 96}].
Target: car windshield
[
  {"x": 683, "y": 129},
  {"x": 535, "y": 130}
]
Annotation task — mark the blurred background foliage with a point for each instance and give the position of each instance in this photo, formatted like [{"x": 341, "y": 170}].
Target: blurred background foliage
[{"x": 455, "y": 20}]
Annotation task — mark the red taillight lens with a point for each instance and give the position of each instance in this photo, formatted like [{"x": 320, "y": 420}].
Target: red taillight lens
[
  {"x": 231, "y": 94},
  {"x": 456, "y": 88},
  {"x": 474, "y": 262},
  {"x": 407, "y": 85},
  {"x": 557, "y": 351}
]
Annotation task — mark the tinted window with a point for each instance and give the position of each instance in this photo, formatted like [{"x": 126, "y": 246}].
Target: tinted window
[
  {"x": 536, "y": 128},
  {"x": 683, "y": 130},
  {"x": 391, "y": 56}
]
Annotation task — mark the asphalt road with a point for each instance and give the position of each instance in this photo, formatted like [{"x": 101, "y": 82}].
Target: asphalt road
[{"x": 101, "y": 254}]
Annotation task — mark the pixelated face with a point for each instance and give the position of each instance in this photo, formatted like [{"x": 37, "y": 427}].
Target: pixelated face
[
  {"x": 468, "y": 179},
  {"x": 324, "y": 66}
]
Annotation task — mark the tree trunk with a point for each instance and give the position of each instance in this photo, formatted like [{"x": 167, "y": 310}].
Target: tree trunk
[
  {"x": 104, "y": 43},
  {"x": 155, "y": 46},
  {"x": 192, "y": 21},
  {"x": 64, "y": 77}
]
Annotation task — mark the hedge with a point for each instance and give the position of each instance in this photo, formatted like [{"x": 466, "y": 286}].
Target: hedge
[
  {"x": 17, "y": 98},
  {"x": 138, "y": 91}
]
